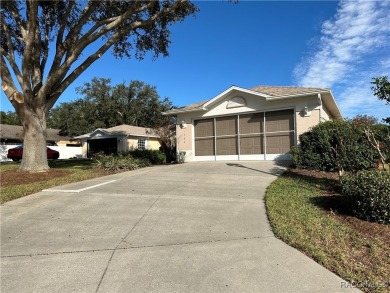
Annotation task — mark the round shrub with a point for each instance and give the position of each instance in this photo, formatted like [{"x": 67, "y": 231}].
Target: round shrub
[
  {"x": 333, "y": 146},
  {"x": 368, "y": 193}
]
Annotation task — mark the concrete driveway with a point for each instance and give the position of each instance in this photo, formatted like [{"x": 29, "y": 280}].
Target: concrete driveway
[{"x": 196, "y": 227}]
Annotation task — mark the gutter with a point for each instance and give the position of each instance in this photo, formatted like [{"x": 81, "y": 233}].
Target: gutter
[{"x": 178, "y": 111}]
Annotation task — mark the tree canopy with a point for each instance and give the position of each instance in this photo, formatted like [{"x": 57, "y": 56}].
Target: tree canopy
[
  {"x": 47, "y": 45},
  {"x": 381, "y": 89},
  {"x": 9, "y": 118},
  {"x": 104, "y": 106}
]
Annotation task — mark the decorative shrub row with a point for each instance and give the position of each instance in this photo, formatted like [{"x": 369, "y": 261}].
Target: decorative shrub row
[
  {"x": 120, "y": 162},
  {"x": 368, "y": 193},
  {"x": 155, "y": 157},
  {"x": 337, "y": 145}
]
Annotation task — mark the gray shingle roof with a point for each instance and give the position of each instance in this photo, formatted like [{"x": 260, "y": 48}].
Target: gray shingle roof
[
  {"x": 16, "y": 132},
  {"x": 123, "y": 129},
  {"x": 131, "y": 130}
]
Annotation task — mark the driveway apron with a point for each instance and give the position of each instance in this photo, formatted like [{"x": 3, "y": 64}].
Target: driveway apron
[{"x": 195, "y": 227}]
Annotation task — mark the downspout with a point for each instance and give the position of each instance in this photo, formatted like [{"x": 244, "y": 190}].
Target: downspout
[
  {"x": 177, "y": 140},
  {"x": 320, "y": 101}
]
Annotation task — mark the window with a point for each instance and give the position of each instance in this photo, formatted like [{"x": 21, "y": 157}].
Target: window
[{"x": 141, "y": 144}]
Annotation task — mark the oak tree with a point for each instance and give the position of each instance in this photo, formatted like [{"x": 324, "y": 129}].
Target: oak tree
[
  {"x": 381, "y": 89},
  {"x": 47, "y": 45},
  {"x": 104, "y": 105}
]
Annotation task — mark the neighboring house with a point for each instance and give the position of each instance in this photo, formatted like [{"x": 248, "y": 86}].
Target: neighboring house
[
  {"x": 261, "y": 123},
  {"x": 12, "y": 135},
  {"x": 118, "y": 139}
]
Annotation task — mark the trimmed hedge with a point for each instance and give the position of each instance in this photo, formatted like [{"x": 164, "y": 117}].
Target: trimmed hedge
[
  {"x": 155, "y": 157},
  {"x": 368, "y": 193},
  {"x": 336, "y": 145}
]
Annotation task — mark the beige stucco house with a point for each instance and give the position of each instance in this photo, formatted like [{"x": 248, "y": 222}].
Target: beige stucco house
[
  {"x": 118, "y": 139},
  {"x": 261, "y": 123}
]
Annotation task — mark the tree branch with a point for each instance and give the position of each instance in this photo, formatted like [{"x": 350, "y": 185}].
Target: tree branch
[
  {"x": 32, "y": 23},
  {"x": 45, "y": 53},
  {"x": 13, "y": 64},
  {"x": 8, "y": 85},
  {"x": 75, "y": 31},
  {"x": 19, "y": 22},
  {"x": 63, "y": 22},
  {"x": 54, "y": 81},
  {"x": 65, "y": 46},
  {"x": 36, "y": 73},
  {"x": 9, "y": 40}
]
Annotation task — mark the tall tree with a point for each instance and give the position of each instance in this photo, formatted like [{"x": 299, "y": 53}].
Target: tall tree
[
  {"x": 104, "y": 105},
  {"x": 31, "y": 31},
  {"x": 381, "y": 89}
]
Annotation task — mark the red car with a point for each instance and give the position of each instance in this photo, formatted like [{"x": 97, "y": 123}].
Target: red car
[{"x": 16, "y": 154}]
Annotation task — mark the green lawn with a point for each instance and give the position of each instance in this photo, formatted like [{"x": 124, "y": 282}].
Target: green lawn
[
  {"x": 297, "y": 219},
  {"x": 73, "y": 170}
]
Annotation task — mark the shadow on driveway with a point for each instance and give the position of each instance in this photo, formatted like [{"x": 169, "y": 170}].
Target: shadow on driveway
[{"x": 275, "y": 171}]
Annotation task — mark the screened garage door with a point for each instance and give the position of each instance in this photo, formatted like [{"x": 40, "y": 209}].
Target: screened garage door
[{"x": 245, "y": 135}]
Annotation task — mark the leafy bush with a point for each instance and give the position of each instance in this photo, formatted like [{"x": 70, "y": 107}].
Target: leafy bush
[
  {"x": 120, "y": 162},
  {"x": 335, "y": 146},
  {"x": 369, "y": 194},
  {"x": 155, "y": 157}
]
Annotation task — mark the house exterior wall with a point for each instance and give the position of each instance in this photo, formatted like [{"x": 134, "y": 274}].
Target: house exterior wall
[
  {"x": 64, "y": 142},
  {"x": 84, "y": 148},
  {"x": 152, "y": 143},
  {"x": 317, "y": 113},
  {"x": 304, "y": 123},
  {"x": 184, "y": 136},
  {"x": 132, "y": 143},
  {"x": 325, "y": 113}
]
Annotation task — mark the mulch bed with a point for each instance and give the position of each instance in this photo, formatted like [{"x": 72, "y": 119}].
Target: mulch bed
[
  {"x": 15, "y": 177},
  {"x": 331, "y": 205}
]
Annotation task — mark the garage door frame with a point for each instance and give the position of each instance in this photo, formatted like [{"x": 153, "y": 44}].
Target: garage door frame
[{"x": 239, "y": 156}]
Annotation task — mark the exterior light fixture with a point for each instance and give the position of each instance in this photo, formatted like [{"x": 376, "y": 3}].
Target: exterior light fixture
[
  {"x": 183, "y": 125},
  {"x": 306, "y": 112}
]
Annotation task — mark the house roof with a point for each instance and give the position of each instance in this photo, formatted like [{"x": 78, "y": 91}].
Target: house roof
[
  {"x": 123, "y": 129},
  {"x": 16, "y": 132},
  {"x": 278, "y": 91},
  {"x": 269, "y": 93}
]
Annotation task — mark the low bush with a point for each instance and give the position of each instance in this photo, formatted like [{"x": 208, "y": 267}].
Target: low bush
[
  {"x": 155, "y": 157},
  {"x": 368, "y": 193},
  {"x": 120, "y": 162}
]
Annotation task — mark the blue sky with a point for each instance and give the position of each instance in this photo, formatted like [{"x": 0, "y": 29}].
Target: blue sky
[{"x": 340, "y": 45}]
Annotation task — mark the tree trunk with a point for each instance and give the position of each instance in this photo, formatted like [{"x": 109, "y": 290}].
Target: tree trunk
[{"x": 34, "y": 145}]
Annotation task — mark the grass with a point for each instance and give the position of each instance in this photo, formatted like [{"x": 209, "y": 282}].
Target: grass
[
  {"x": 298, "y": 221},
  {"x": 64, "y": 171}
]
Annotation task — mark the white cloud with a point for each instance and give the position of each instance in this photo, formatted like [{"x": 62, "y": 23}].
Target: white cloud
[{"x": 354, "y": 47}]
